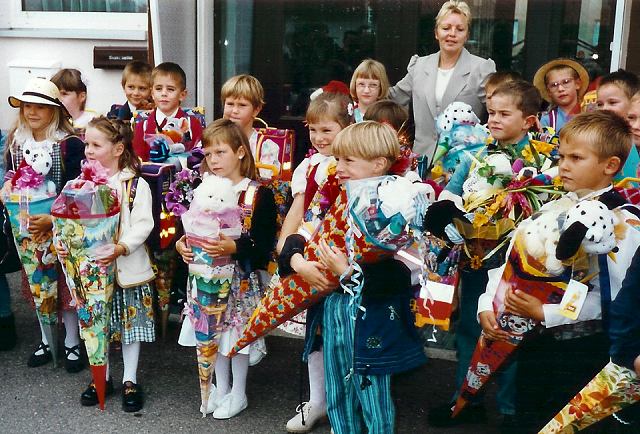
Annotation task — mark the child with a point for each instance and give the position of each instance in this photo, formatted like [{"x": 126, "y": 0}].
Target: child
[
  {"x": 364, "y": 150},
  {"x": 554, "y": 365},
  {"x": 562, "y": 83},
  {"x": 136, "y": 84},
  {"x": 512, "y": 109},
  {"x": 388, "y": 112},
  {"x": 73, "y": 94},
  {"x": 326, "y": 116},
  {"x": 633, "y": 117},
  {"x": 369, "y": 83},
  {"x": 109, "y": 143},
  {"x": 43, "y": 118},
  {"x": 615, "y": 91},
  {"x": 227, "y": 154},
  {"x": 169, "y": 89}
]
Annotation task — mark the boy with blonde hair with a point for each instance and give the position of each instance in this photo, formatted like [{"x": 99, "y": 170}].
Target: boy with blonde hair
[
  {"x": 136, "y": 84},
  {"x": 554, "y": 365}
]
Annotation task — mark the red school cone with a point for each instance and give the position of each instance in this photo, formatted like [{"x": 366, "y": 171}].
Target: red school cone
[{"x": 99, "y": 373}]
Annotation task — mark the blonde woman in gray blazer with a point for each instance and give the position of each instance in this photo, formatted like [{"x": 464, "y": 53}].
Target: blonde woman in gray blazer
[{"x": 435, "y": 81}]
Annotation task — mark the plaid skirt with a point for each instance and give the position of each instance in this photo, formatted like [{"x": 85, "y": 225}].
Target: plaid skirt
[{"x": 132, "y": 315}]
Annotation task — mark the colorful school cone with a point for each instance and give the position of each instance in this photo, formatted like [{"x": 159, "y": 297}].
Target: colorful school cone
[
  {"x": 355, "y": 215},
  {"x": 91, "y": 285},
  {"x": 86, "y": 217},
  {"x": 612, "y": 389},
  {"x": 39, "y": 261},
  {"x": 206, "y": 304},
  {"x": 524, "y": 273}
]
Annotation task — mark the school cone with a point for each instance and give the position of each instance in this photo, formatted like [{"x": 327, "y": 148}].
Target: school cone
[
  {"x": 524, "y": 273},
  {"x": 611, "y": 390},
  {"x": 39, "y": 262},
  {"x": 99, "y": 373}
]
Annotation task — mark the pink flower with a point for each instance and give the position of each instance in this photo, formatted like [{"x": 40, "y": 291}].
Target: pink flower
[
  {"x": 92, "y": 170},
  {"x": 29, "y": 178}
]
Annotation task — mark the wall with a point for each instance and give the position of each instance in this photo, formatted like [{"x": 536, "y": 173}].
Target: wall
[{"x": 103, "y": 86}]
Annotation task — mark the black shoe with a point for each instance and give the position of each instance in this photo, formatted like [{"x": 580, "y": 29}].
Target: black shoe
[
  {"x": 132, "y": 399},
  {"x": 7, "y": 333},
  {"x": 471, "y": 414},
  {"x": 73, "y": 366},
  {"x": 36, "y": 360},
  {"x": 89, "y": 397}
]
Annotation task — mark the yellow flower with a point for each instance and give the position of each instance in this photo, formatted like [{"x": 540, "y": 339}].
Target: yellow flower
[
  {"x": 480, "y": 219},
  {"x": 476, "y": 262},
  {"x": 436, "y": 171},
  {"x": 543, "y": 147},
  {"x": 527, "y": 155},
  {"x": 131, "y": 311},
  {"x": 557, "y": 182},
  {"x": 147, "y": 301}
]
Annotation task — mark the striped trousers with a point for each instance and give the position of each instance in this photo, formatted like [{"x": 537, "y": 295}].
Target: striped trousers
[{"x": 353, "y": 400}]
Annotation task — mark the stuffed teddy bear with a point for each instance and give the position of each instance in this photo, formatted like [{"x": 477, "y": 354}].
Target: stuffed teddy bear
[
  {"x": 500, "y": 165},
  {"x": 214, "y": 207},
  {"x": 458, "y": 127},
  {"x": 36, "y": 164},
  {"x": 397, "y": 196},
  {"x": 541, "y": 234}
]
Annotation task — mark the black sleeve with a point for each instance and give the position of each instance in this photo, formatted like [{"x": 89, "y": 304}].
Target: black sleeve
[
  {"x": 73, "y": 156},
  {"x": 256, "y": 247},
  {"x": 624, "y": 321},
  {"x": 385, "y": 278},
  {"x": 293, "y": 244}
]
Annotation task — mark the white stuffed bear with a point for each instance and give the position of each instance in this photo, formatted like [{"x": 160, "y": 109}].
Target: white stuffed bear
[
  {"x": 38, "y": 156},
  {"x": 456, "y": 126},
  {"x": 540, "y": 236},
  {"x": 399, "y": 195},
  {"x": 214, "y": 207}
]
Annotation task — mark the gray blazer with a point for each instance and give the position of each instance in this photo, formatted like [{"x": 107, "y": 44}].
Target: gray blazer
[{"x": 466, "y": 85}]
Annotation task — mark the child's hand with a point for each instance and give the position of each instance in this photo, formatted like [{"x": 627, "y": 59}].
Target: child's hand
[
  {"x": 636, "y": 365},
  {"x": 310, "y": 271},
  {"x": 225, "y": 246},
  {"x": 524, "y": 305},
  {"x": 490, "y": 327},
  {"x": 118, "y": 251},
  {"x": 61, "y": 250},
  {"x": 6, "y": 189},
  {"x": 184, "y": 250},
  {"x": 332, "y": 258},
  {"x": 40, "y": 224}
]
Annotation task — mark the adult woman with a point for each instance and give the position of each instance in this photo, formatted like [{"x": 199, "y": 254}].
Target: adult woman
[{"x": 452, "y": 74}]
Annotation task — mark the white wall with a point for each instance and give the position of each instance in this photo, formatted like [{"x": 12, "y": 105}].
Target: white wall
[{"x": 103, "y": 86}]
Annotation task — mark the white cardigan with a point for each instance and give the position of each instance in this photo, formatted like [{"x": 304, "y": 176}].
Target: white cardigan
[{"x": 134, "y": 267}]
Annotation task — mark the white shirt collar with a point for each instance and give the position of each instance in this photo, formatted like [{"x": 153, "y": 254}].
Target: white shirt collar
[
  {"x": 132, "y": 107},
  {"x": 241, "y": 186},
  {"x": 590, "y": 195},
  {"x": 161, "y": 116}
]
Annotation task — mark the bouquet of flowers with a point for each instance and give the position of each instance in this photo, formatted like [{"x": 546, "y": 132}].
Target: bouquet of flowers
[
  {"x": 180, "y": 194},
  {"x": 86, "y": 217},
  {"x": 214, "y": 211},
  {"x": 370, "y": 219},
  {"x": 32, "y": 194}
]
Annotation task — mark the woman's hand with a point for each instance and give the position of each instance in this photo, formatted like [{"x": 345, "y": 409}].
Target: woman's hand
[
  {"x": 40, "y": 224},
  {"x": 118, "y": 250},
  {"x": 184, "y": 250},
  {"x": 310, "y": 271},
  {"x": 224, "y": 246},
  {"x": 333, "y": 258},
  {"x": 490, "y": 327}
]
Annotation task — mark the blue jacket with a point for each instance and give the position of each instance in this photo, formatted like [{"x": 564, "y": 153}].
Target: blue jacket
[{"x": 386, "y": 340}]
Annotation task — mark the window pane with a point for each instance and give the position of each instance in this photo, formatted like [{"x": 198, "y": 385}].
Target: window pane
[{"x": 129, "y": 6}]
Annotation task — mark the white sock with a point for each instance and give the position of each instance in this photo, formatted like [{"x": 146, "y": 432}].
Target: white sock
[
  {"x": 315, "y": 364},
  {"x": 72, "y": 333},
  {"x": 43, "y": 337},
  {"x": 223, "y": 376},
  {"x": 108, "y": 370},
  {"x": 240, "y": 366},
  {"x": 130, "y": 354}
]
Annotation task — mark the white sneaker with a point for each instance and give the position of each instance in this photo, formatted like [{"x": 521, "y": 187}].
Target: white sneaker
[
  {"x": 230, "y": 406},
  {"x": 212, "y": 403},
  {"x": 312, "y": 415},
  {"x": 257, "y": 351}
]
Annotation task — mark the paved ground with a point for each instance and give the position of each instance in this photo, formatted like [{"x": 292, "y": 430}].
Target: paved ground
[{"x": 44, "y": 400}]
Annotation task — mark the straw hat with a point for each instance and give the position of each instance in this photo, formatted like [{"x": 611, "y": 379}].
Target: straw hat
[
  {"x": 538, "y": 79},
  {"x": 38, "y": 91}
]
